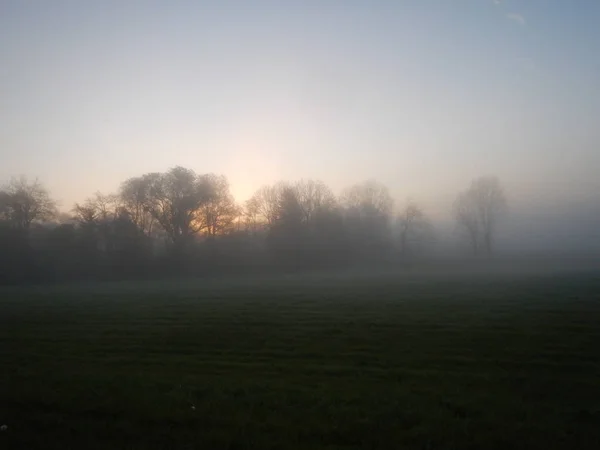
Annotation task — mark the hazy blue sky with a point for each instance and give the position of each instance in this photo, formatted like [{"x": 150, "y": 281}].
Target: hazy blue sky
[{"x": 420, "y": 94}]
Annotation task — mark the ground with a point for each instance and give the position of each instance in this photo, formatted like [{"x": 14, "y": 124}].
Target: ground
[{"x": 390, "y": 360}]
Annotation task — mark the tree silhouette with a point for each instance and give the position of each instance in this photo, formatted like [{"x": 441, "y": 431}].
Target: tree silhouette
[
  {"x": 367, "y": 211},
  {"x": 178, "y": 222},
  {"x": 313, "y": 197},
  {"x": 414, "y": 229},
  {"x": 265, "y": 202},
  {"x": 477, "y": 211},
  {"x": 174, "y": 200},
  {"x": 134, "y": 196},
  {"x": 23, "y": 202},
  {"x": 218, "y": 214}
]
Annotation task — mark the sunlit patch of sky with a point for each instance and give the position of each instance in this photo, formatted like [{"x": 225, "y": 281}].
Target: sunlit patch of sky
[{"x": 422, "y": 95}]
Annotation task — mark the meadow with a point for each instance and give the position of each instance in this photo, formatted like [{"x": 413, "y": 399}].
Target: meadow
[{"x": 333, "y": 361}]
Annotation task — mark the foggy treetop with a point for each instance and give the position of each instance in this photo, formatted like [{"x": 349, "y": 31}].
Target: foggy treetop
[{"x": 179, "y": 222}]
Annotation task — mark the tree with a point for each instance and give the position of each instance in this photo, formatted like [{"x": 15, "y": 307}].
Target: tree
[
  {"x": 289, "y": 212},
  {"x": 23, "y": 202},
  {"x": 313, "y": 198},
  {"x": 96, "y": 217},
  {"x": 288, "y": 231},
  {"x": 17, "y": 211},
  {"x": 107, "y": 206},
  {"x": 466, "y": 218},
  {"x": 414, "y": 228},
  {"x": 218, "y": 214},
  {"x": 16, "y": 258},
  {"x": 368, "y": 199},
  {"x": 477, "y": 211},
  {"x": 5, "y": 211},
  {"x": 135, "y": 198},
  {"x": 128, "y": 250},
  {"x": 251, "y": 215},
  {"x": 174, "y": 199},
  {"x": 85, "y": 214},
  {"x": 98, "y": 209},
  {"x": 265, "y": 202},
  {"x": 367, "y": 213},
  {"x": 108, "y": 241}
]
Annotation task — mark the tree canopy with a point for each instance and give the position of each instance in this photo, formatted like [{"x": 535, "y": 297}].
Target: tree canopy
[{"x": 179, "y": 222}]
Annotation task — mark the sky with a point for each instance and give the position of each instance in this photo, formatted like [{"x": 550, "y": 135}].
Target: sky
[{"x": 422, "y": 95}]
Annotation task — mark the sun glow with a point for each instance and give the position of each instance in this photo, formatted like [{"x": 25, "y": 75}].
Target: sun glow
[{"x": 253, "y": 160}]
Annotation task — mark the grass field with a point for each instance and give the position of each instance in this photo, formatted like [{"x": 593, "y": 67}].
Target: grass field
[{"x": 318, "y": 362}]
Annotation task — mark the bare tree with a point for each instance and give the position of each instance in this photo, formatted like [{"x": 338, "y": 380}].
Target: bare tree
[
  {"x": 85, "y": 214},
  {"x": 23, "y": 202},
  {"x": 265, "y": 202},
  {"x": 314, "y": 197},
  {"x": 175, "y": 199},
  {"x": 414, "y": 228},
  {"x": 367, "y": 211},
  {"x": 107, "y": 205},
  {"x": 491, "y": 204},
  {"x": 135, "y": 198},
  {"x": 466, "y": 218},
  {"x": 99, "y": 208},
  {"x": 289, "y": 209},
  {"x": 218, "y": 214},
  {"x": 251, "y": 214},
  {"x": 477, "y": 211},
  {"x": 368, "y": 198}
]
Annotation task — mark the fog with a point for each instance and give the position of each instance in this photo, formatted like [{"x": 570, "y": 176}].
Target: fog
[{"x": 301, "y": 135}]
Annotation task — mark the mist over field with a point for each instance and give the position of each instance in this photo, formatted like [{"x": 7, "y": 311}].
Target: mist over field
[
  {"x": 300, "y": 224},
  {"x": 422, "y": 97}
]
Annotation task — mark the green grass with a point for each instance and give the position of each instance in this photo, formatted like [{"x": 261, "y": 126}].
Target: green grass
[{"x": 317, "y": 362}]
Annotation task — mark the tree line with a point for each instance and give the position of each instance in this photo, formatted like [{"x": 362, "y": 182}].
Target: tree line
[{"x": 179, "y": 222}]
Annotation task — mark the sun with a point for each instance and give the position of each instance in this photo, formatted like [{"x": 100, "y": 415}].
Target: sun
[{"x": 253, "y": 161}]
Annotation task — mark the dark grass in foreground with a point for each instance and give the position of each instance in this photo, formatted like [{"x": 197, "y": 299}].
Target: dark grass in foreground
[{"x": 387, "y": 361}]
